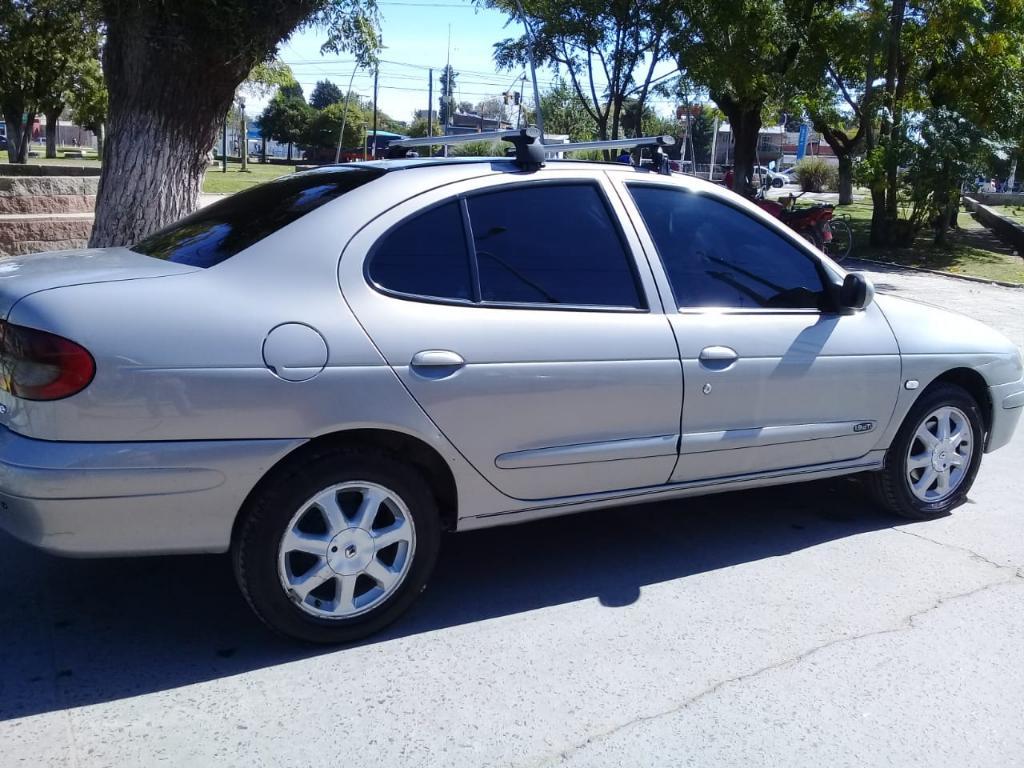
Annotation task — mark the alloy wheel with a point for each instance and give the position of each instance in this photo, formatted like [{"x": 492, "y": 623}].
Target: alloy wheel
[
  {"x": 939, "y": 455},
  {"x": 346, "y": 550}
]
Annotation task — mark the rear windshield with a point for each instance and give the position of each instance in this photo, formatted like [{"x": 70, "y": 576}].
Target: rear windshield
[{"x": 219, "y": 231}]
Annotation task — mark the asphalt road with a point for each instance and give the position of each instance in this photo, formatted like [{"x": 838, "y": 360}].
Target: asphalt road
[{"x": 791, "y": 627}]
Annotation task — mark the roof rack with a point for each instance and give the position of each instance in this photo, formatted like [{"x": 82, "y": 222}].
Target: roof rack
[
  {"x": 641, "y": 141},
  {"x": 526, "y": 148},
  {"x": 660, "y": 158},
  {"x": 529, "y": 152}
]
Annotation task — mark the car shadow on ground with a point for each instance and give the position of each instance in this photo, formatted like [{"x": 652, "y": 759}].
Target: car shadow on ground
[{"x": 81, "y": 632}]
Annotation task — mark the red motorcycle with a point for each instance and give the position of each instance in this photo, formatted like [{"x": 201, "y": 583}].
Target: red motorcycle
[{"x": 814, "y": 223}]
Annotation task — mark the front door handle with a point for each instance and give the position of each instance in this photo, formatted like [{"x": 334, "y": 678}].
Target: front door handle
[{"x": 718, "y": 358}]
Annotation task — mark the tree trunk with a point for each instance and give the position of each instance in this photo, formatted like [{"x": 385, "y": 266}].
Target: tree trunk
[
  {"x": 845, "y": 179},
  {"x": 243, "y": 146},
  {"x": 263, "y": 150},
  {"x": 289, "y": 151},
  {"x": 746, "y": 125},
  {"x": 879, "y": 225},
  {"x": 19, "y": 133},
  {"x": 99, "y": 132},
  {"x": 171, "y": 78},
  {"x": 52, "y": 119}
]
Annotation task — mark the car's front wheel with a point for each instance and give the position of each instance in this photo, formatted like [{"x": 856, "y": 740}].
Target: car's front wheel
[
  {"x": 335, "y": 549},
  {"x": 932, "y": 462}
]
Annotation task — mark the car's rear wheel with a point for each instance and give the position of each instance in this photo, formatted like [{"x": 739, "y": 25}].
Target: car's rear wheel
[
  {"x": 932, "y": 462},
  {"x": 334, "y": 549}
]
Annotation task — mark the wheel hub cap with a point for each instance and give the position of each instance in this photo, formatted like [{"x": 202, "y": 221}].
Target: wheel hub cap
[
  {"x": 346, "y": 550},
  {"x": 350, "y": 552},
  {"x": 939, "y": 456}
]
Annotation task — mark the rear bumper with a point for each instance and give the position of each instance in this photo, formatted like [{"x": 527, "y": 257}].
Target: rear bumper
[
  {"x": 1007, "y": 407},
  {"x": 100, "y": 499}
]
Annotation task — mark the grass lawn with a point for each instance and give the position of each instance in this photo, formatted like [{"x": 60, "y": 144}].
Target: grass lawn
[
  {"x": 219, "y": 183},
  {"x": 92, "y": 162},
  {"x": 973, "y": 250},
  {"x": 1015, "y": 212}
]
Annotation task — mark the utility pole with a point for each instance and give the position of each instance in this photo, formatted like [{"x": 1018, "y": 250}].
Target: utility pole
[
  {"x": 344, "y": 116},
  {"x": 376, "y": 72},
  {"x": 447, "y": 91},
  {"x": 533, "y": 69},
  {"x": 714, "y": 146},
  {"x": 224, "y": 148},
  {"x": 430, "y": 110},
  {"x": 522, "y": 90}
]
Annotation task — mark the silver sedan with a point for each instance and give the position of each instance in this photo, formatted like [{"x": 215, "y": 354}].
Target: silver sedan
[{"x": 322, "y": 374}]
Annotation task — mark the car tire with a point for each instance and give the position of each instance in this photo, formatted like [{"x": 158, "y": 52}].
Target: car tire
[
  {"x": 777, "y": 182},
  {"x": 902, "y": 486},
  {"x": 336, "y": 547}
]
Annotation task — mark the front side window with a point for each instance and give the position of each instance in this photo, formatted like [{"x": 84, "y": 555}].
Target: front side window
[
  {"x": 717, "y": 256},
  {"x": 551, "y": 244}
]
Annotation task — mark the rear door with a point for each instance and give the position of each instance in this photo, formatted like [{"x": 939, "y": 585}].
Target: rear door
[
  {"x": 514, "y": 311},
  {"x": 775, "y": 377}
]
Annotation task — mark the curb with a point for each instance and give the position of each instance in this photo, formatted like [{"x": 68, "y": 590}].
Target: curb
[{"x": 941, "y": 273}]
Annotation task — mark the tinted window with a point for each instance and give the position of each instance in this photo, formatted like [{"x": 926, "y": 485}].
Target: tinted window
[
  {"x": 219, "y": 231},
  {"x": 426, "y": 256},
  {"x": 551, "y": 244},
  {"x": 717, "y": 256}
]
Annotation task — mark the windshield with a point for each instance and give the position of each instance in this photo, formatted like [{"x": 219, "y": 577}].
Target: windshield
[{"x": 219, "y": 231}]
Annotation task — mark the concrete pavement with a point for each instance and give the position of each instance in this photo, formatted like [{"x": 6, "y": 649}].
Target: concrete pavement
[{"x": 792, "y": 626}]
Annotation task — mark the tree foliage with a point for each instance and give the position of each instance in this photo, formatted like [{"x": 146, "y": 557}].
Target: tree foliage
[
  {"x": 745, "y": 55},
  {"x": 325, "y": 94},
  {"x": 45, "y": 46},
  {"x": 446, "y": 101},
  {"x": 172, "y": 71},
  {"x": 564, "y": 114},
  {"x": 607, "y": 51}
]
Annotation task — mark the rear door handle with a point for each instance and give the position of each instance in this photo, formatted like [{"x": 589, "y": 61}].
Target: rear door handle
[
  {"x": 437, "y": 358},
  {"x": 718, "y": 357},
  {"x": 436, "y": 363}
]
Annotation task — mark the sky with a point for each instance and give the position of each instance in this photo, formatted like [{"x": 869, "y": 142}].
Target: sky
[{"x": 415, "y": 35}]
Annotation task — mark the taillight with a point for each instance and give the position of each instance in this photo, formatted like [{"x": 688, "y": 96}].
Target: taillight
[{"x": 36, "y": 365}]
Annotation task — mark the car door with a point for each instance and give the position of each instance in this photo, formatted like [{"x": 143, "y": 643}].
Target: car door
[
  {"x": 517, "y": 315},
  {"x": 774, "y": 377}
]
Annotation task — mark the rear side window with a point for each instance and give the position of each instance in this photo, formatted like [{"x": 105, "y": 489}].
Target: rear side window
[
  {"x": 718, "y": 256},
  {"x": 538, "y": 244},
  {"x": 551, "y": 244},
  {"x": 219, "y": 231},
  {"x": 426, "y": 255}
]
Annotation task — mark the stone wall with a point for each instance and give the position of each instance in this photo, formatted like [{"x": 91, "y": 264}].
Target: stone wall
[
  {"x": 1007, "y": 230},
  {"x": 998, "y": 198},
  {"x": 47, "y": 194},
  {"x": 40, "y": 211}
]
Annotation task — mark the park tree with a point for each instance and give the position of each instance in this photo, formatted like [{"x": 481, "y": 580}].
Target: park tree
[
  {"x": 88, "y": 102},
  {"x": 842, "y": 63},
  {"x": 325, "y": 93},
  {"x": 44, "y": 47},
  {"x": 286, "y": 116},
  {"x": 564, "y": 114},
  {"x": 702, "y": 132},
  {"x": 744, "y": 55},
  {"x": 446, "y": 101},
  {"x": 172, "y": 70},
  {"x": 608, "y": 51}
]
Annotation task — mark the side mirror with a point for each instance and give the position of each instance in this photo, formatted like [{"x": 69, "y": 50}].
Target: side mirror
[{"x": 856, "y": 292}]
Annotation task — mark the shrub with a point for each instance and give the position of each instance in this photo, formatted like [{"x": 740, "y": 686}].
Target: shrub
[{"x": 815, "y": 175}]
